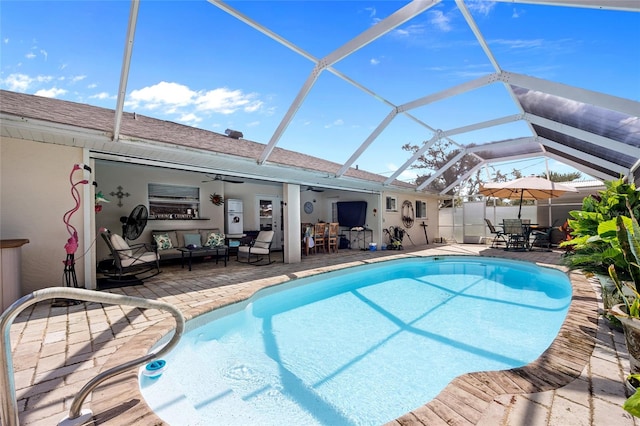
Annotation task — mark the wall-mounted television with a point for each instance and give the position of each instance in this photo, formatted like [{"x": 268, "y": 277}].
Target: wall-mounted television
[{"x": 352, "y": 213}]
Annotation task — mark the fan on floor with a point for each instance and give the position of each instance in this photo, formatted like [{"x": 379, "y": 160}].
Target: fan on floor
[
  {"x": 133, "y": 225},
  {"x": 222, "y": 179},
  {"x": 311, "y": 188}
]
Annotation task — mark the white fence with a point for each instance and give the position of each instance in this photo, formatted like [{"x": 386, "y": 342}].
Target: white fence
[{"x": 467, "y": 224}]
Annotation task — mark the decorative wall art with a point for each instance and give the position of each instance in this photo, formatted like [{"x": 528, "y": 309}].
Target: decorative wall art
[
  {"x": 119, "y": 194},
  {"x": 216, "y": 199},
  {"x": 407, "y": 213}
]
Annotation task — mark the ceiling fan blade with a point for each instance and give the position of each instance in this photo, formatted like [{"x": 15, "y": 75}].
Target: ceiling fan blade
[
  {"x": 311, "y": 188},
  {"x": 232, "y": 181},
  {"x": 221, "y": 178}
]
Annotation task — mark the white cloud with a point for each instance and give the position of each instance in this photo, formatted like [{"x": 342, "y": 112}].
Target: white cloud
[
  {"x": 30, "y": 55},
  {"x": 174, "y": 98},
  {"x": 50, "y": 93},
  {"x": 371, "y": 10},
  {"x": 78, "y": 78},
  {"x": 440, "y": 20},
  {"x": 5, "y": 40},
  {"x": 483, "y": 7},
  {"x": 409, "y": 30},
  {"x": 374, "y": 61},
  {"x": 519, "y": 43},
  {"x": 225, "y": 101},
  {"x": 101, "y": 95},
  {"x": 162, "y": 94},
  {"x": 44, "y": 53},
  {"x": 253, "y": 124},
  {"x": 17, "y": 82},
  {"x": 338, "y": 122},
  {"x": 189, "y": 118},
  {"x": 92, "y": 86}
]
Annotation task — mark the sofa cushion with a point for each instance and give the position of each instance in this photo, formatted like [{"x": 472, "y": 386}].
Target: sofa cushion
[
  {"x": 172, "y": 236},
  {"x": 192, "y": 239},
  {"x": 204, "y": 234},
  {"x": 215, "y": 239},
  {"x": 163, "y": 241}
]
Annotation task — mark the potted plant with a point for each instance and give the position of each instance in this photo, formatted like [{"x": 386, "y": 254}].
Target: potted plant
[
  {"x": 595, "y": 245},
  {"x": 628, "y": 312}
]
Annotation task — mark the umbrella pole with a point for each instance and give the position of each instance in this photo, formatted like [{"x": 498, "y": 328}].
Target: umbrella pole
[{"x": 520, "y": 209}]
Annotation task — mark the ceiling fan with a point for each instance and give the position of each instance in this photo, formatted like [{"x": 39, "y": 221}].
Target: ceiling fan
[
  {"x": 311, "y": 188},
  {"x": 221, "y": 178}
]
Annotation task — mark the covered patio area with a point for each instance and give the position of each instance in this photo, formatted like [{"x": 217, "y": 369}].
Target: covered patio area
[{"x": 578, "y": 380}]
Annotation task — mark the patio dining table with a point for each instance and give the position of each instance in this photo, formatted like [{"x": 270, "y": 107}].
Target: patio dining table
[{"x": 518, "y": 233}]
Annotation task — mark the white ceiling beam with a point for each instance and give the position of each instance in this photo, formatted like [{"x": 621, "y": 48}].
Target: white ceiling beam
[
  {"x": 396, "y": 19},
  {"x": 508, "y": 142},
  {"x": 597, "y": 161},
  {"x": 625, "y": 5},
  {"x": 462, "y": 178},
  {"x": 583, "y": 168},
  {"x": 601, "y": 141},
  {"x": 383, "y": 125},
  {"x": 441, "y": 170},
  {"x": 445, "y": 134},
  {"x": 588, "y": 97},
  {"x": 482, "y": 163},
  {"x": 291, "y": 112},
  {"x": 126, "y": 64},
  {"x": 476, "y": 31},
  {"x": 260, "y": 28},
  {"x": 452, "y": 91},
  {"x": 414, "y": 157}
]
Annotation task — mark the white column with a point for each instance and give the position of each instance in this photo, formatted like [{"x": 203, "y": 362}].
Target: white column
[{"x": 292, "y": 238}]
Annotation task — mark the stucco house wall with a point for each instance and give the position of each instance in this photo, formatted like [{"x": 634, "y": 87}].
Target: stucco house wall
[{"x": 35, "y": 194}]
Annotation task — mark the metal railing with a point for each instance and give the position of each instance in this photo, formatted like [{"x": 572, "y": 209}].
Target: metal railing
[{"x": 9, "y": 404}]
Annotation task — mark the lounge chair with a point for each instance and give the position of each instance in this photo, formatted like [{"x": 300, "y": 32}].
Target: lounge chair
[
  {"x": 130, "y": 260},
  {"x": 258, "y": 249}
]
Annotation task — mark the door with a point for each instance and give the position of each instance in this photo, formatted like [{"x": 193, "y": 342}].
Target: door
[{"x": 269, "y": 217}]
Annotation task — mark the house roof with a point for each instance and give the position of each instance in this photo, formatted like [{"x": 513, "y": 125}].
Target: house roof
[{"x": 62, "y": 122}]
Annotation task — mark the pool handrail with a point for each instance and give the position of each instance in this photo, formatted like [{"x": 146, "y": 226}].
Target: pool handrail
[{"x": 9, "y": 405}]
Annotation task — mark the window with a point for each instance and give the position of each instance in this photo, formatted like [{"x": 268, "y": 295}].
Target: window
[
  {"x": 421, "y": 210},
  {"x": 173, "y": 202},
  {"x": 392, "y": 204}
]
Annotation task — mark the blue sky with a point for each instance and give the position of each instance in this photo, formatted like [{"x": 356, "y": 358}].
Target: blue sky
[{"x": 194, "y": 64}]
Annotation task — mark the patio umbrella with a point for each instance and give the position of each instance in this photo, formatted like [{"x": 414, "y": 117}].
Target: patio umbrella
[{"x": 526, "y": 188}]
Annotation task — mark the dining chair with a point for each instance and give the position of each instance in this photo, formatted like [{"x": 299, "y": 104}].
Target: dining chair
[
  {"x": 498, "y": 232},
  {"x": 332, "y": 238},
  {"x": 320, "y": 237},
  {"x": 515, "y": 234}
]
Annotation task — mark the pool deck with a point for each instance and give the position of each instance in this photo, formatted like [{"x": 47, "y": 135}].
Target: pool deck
[{"x": 56, "y": 350}]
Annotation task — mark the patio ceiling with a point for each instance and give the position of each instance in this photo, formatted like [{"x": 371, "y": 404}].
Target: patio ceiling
[
  {"x": 593, "y": 132},
  {"x": 596, "y": 133}
]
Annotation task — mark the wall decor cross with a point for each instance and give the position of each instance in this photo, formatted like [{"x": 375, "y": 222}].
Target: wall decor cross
[{"x": 119, "y": 194}]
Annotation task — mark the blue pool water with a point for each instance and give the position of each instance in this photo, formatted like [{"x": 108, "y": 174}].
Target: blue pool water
[{"x": 360, "y": 346}]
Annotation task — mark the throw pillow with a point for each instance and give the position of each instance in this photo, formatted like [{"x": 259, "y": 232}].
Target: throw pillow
[
  {"x": 192, "y": 239},
  {"x": 215, "y": 240},
  {"x": 163, "y": 241}
]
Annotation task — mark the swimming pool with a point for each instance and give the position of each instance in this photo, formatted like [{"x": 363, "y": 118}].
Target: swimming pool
[{"x": 359, "y": 346}]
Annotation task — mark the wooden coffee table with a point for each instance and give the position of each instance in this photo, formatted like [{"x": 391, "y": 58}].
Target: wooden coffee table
[{"x": 217, "y": 252}]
